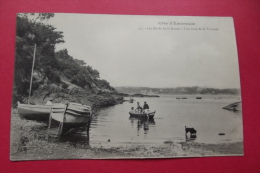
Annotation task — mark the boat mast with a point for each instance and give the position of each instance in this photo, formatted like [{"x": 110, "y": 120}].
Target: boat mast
[{"x": 32, "y": 73}]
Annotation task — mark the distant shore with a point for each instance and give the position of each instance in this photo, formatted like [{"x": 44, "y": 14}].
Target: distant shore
[
  {"x": 135, "y": 95},
  {"x": 37, "y": 147}
]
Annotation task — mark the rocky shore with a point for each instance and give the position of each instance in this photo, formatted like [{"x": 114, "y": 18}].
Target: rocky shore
[
  {"x": 73, "y": 93},
  {"x": 29, "y": 142}
]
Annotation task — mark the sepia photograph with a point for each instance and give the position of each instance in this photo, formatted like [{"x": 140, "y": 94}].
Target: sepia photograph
[{"x": 97, "y": 86}]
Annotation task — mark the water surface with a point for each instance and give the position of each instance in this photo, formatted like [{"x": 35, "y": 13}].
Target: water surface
[{"x": 206, "y": 115}]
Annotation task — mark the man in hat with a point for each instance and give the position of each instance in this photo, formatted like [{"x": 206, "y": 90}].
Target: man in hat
[
  {"x": 49, "y": 102},
  {"x": 146, "y": 106}
]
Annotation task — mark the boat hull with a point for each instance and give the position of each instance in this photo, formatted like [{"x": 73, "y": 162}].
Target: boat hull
[
  {"x": 141, "y": 115},
  {"x": 70, "y": 117},
  {"x": 34, "y": 112},
  {"x": 234, "y": 106}
]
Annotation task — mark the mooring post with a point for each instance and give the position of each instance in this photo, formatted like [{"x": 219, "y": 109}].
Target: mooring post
[{"x": 185, "y": 133}]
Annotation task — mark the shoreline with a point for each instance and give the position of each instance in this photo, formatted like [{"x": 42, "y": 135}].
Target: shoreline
[
  {"x": 54, "y": 151},
  {"x": 37, "y": 147}
]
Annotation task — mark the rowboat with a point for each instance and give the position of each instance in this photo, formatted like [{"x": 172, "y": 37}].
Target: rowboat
[
  {"x": 34, "y": 112},
  {"x": 71, "y": 115},
  {"x": 142, "y": 115},
  {"x": 234, "y": 106}
]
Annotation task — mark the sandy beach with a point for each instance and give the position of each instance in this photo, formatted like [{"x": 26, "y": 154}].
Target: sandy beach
[{"x": 36, "y": 146}]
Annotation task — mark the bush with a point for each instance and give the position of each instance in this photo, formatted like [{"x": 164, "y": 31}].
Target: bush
[
  {"x": 64, "y": 85},
  {"x": 54, "y": 77}
]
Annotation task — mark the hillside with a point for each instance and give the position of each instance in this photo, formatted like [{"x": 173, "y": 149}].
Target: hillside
[{"x": 56, "y": 73}]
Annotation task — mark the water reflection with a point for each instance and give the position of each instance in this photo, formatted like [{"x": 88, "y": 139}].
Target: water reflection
[
  {"x": 142, "y": 123},
  {"x": 190, "y": 137},
  {"x": 114, "y": 123}
]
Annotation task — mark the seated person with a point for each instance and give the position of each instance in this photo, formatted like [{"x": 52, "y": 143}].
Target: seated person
[
  {"x": 132, "y": 110},
  {"x": 146, "y": 111}
]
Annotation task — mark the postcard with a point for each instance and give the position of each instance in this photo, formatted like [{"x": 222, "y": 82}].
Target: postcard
[{"x": 95, "y": 86}]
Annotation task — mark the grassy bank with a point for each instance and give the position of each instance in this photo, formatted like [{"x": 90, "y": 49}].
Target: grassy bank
[{"x": 36, "y": 147}]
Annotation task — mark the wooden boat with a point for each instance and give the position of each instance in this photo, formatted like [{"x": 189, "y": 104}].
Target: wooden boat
[
  {"x": 71, "y": 115},
  {"x": 142, "y": 115},
  {"x": 234, "y": 106},
  {"x": 34, "y": 112},
  {"x": 198, "y": 97}
]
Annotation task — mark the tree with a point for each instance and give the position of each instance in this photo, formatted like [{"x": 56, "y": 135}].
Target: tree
[
  {"x": 31, "y": 31},
  {"x": 80, "y": 62}
]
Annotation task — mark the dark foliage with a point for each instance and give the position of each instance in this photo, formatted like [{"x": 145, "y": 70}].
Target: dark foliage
[
  {"x": 32, "y": 30},
  {"x": 78, "y": 72}
]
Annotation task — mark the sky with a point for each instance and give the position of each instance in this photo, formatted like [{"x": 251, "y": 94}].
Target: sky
[{"x": 126, "y": 53}]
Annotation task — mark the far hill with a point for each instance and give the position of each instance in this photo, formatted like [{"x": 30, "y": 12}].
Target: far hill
[{"x": 177, "y": 90}]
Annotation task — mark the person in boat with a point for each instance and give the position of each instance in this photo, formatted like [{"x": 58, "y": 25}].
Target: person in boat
[
  {"x": 138, "y": 108},
  {"x": 49, "y": 102},
  {"x": 146, "y": 106},
  {"x": 132, "y": 110}
]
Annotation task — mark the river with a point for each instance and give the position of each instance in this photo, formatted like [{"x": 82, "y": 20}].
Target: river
[{"x": 113, "y": 126}]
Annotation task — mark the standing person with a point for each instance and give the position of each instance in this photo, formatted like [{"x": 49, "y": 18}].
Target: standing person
[
  {"x": 138, "y": 108},
  {"x": 49, "y": 102},
  {"x": 146, "y": 106}
]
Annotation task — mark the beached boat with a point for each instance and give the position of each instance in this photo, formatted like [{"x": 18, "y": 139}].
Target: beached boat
[
  {"x": 144, "y": 115},
  {"x": 71, "y": 115},
  {"x": 34, "y": 112}
]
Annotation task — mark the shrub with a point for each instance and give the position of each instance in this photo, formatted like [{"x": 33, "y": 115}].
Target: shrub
[{"x": 64, "y": 85}]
